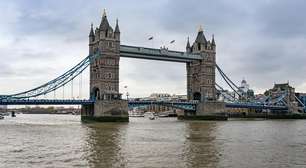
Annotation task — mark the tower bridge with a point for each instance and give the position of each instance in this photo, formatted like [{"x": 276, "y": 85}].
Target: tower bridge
[{"x": 105, "y": 102}]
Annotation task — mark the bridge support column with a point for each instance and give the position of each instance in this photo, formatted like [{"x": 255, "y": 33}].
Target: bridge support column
[
  {"x": 209, "y": 110},
  {"x": 106, "y": 111}
]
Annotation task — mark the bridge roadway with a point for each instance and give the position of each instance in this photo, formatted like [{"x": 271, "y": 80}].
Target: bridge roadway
[
  {"x": 180, "y": 105},
  {"x": 157, "y": 54}
]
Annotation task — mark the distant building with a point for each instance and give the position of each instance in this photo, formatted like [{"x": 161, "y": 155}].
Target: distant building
[
  {"x": 3, "y": 107},
  {"x": 283, "y": 93},
  {"x": 226, "y": 96},
  {"x": 159, "y": 96},
  {"x": 244, "y": 91},
  {"x": 280, "y": 89},
  {"x": 179, "y": 97},
  {"x": 166, "y": 97}
]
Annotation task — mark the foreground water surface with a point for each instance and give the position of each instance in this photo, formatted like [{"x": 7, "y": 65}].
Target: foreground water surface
[{"x": 63, "y": 141}]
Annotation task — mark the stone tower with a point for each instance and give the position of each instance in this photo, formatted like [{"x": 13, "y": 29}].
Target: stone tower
[
  {"x": 201, "y": 80},
  {"x": 104, "y": 71},
  {"x": 104, "y": 74},
  {"x": 201, "y": 74}
]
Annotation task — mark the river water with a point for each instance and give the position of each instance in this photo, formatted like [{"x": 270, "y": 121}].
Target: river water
[{"x": 63, "y": 141}]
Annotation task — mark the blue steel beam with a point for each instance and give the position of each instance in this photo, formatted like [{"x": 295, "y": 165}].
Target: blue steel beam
[
  {"x": 180, "y": 105},
  {"x": 45, "y": 102},
  {"x": 255, "y": 106}
]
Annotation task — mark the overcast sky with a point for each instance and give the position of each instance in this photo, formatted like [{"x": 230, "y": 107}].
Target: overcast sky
[{"x": 262, "y": 41}]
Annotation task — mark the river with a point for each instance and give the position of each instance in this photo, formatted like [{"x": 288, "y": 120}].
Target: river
[{"x": 63, "y": 141}]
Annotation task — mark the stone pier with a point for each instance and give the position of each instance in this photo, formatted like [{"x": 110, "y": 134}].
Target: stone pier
[
  {"x": 106, "y": 111},
  {"x": 210, "y": 110}
]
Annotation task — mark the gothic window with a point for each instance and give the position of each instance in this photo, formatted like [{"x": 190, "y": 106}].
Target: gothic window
[
  {"x": 106, "y": 33},
  {"x": 110, "y": 44},
  {"x": 199, "y": 46},
  {"x": 110, "y": 75}
]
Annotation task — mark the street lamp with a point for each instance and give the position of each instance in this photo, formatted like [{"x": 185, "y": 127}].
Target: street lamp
[{"x": 127, "y": 95}]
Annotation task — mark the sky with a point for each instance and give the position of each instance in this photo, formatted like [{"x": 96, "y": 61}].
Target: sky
[{"x": 261, "y": 41}]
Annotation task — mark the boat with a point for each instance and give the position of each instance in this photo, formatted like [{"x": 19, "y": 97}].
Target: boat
[
  {"x": 5, "y": 114},
  {"x": 13, "y": 114},
  {"x": 152, "y": 117},
  {"x": 136, "y": 114}
]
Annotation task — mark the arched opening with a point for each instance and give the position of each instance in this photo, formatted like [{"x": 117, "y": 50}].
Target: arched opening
[
  {"x": 95, "y": 93},
  {"x": 197, "y": 96}
]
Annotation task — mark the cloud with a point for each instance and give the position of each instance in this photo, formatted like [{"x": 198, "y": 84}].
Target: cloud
[
  {"x": 262, "y": 41},
  {"x": 282, "y": 19}
]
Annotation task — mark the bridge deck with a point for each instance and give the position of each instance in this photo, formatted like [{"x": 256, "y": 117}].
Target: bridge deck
[
  {"x": 45, "y": 102},
  {"x": 180, "y": 105},
  {"x": 157, "y": 54}
]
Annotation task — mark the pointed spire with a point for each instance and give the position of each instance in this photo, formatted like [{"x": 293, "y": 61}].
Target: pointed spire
[
  {"x": 200, "y": 28},
  {"x": 201, "y": 37},
  {"x": 117, "y": 27},
  {"x": 91, "y": 34},
  {"x": 188, "y": 49},
  {"x": 188, "y": 44},
  {"x": 104, "y": 23},
  {"x": 213, "y": 43},
  {"x": 104, "y": 13}
]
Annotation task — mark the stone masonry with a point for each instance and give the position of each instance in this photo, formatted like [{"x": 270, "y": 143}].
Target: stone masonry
[{"x": 104, "y": 71}]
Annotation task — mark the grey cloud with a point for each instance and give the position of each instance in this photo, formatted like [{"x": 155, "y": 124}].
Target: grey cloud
[
  {"x": 8, "y": 71},
  {"x": 283, "y": 18},
  {"x": 259, "y": 40}
]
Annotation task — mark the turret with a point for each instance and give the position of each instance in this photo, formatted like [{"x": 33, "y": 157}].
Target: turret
[
  {"x": 106, "y": 31},
  {"x": 91, "y": 35},
  {"x": 213, "y": 43},
  {"x": 200, "y": 42},
  {"x": 188, "y": 48},
  {"x": 117, "y": 31},
  {"x": 91, "y": 39}
]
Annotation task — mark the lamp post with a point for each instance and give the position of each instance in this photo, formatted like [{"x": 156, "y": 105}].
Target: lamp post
[{"x": 127, "y": 93}]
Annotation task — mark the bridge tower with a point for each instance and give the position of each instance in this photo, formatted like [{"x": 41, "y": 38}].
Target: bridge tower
[
  {"x": 104, "y": 75},
  {"x": 201, "y": 76}
]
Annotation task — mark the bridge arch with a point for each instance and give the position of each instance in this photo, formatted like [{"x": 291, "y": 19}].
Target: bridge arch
[
  {"x": 197, "y": 96},
  {"x": 95, "y": 93}
]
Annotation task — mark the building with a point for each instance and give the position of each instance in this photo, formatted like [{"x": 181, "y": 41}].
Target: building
[
  {"x": 226, "y": 96},
  {"x": 164, "y": 97},
  {"x": 160, "y": 96},
  {"x": 245, "y": 93},
  {"x": 3, "y": 107},
  {"x": 283, "y": 93},
  {"x": 201, "y": 74},
  {"x": 281, "y": 89},
  {"x": 104, "y": 72},
  {"x": 104, "y": 49}
]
